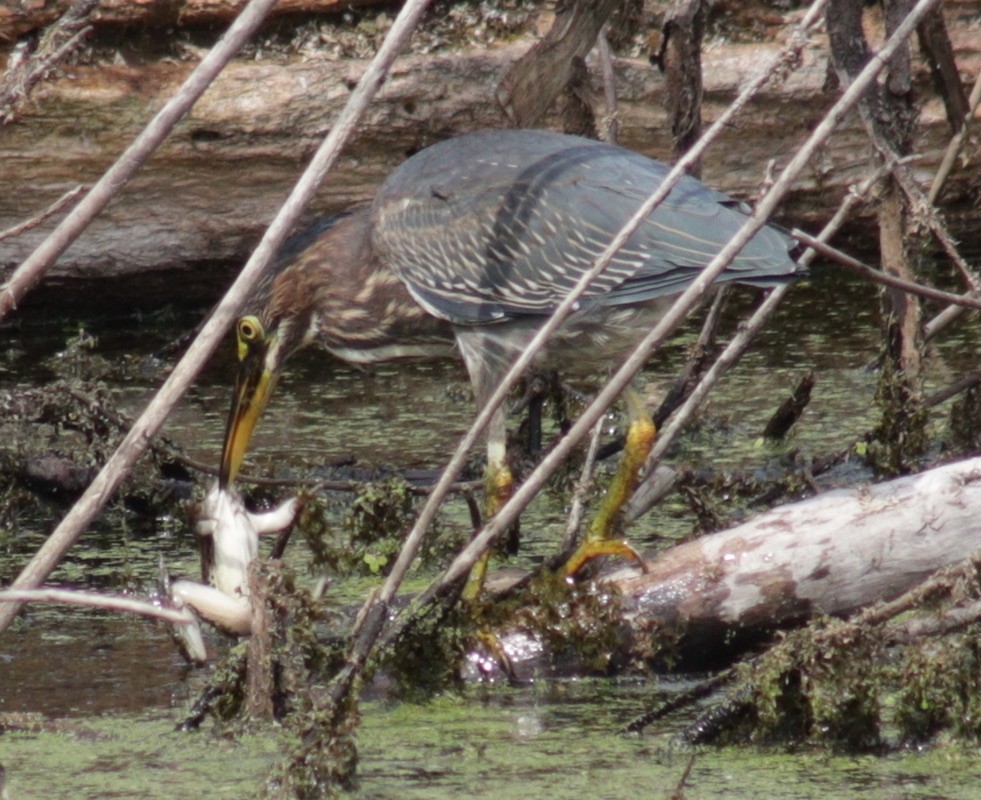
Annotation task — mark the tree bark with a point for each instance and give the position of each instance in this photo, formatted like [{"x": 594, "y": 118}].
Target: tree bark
[
  {"x": 680, "y": 57},
  {"x": 535, "y": 79}
]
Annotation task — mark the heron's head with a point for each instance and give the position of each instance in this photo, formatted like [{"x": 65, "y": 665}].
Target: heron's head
[
  {"x": 264, "y": 340},
  {"x": 328, "y": 289},
  {"x": 262, "y": 349}
]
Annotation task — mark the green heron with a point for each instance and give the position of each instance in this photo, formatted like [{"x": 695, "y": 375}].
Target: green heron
[{"x": 476, "y": 240}]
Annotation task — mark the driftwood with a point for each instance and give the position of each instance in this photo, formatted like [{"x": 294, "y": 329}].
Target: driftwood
[
  {"x": 206, "y": 196},
  {"x": 831, "y": 554}
]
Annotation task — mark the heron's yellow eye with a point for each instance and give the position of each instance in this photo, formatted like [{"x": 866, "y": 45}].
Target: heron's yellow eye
[
  {"x": 249, "y": 329},
  {"x": 249, "y": 332}
]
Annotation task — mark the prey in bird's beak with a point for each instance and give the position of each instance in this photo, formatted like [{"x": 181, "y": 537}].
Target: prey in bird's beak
[{"x": 253, "y": 386}]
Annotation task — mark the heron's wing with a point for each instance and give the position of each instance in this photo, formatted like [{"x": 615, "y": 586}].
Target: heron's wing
[{"x": 502, "y": 224}]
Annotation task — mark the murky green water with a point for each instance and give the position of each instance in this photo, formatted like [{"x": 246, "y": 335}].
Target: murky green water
[
  {"x": 556, "y": 741},
  {"x": 122, "y": 679}
]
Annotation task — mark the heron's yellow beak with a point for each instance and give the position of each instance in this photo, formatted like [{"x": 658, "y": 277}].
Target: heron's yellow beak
[{"x": 253, "y": 388}]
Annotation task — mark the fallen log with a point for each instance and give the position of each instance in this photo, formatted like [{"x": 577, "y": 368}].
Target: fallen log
[
  {"x": 200, "y": 204},
  {"x": 832, "y": 554}
]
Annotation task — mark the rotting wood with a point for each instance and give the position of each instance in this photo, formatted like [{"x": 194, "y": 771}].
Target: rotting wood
[
  {"x": 534, "y": 80},
  {"x": 259, "y": 680},
  {"x": 680, "y": 58}
]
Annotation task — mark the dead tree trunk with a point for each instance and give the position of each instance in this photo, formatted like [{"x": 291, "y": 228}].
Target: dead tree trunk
[{"x": 889, "y": 113}]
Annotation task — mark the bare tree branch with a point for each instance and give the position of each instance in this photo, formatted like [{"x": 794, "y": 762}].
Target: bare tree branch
[
  {"x": 107, "y": 602},
  {"x": 884, "y": 278},
  {"x": 374, "y": 614}
]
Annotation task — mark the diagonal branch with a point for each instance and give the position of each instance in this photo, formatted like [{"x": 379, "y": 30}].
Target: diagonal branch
[
  {"x": 129, "y": 163},
  {"x": 885, "y": 278},
  {"x": 685, "y": 302}
]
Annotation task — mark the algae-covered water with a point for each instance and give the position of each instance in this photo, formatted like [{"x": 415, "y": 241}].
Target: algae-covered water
[
  {"x": 108, "y": 691},
  {"x": 557, "y": 741}
]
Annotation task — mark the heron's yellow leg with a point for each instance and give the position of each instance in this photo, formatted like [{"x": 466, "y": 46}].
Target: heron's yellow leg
[
  {"x": 498, "y": 484},
  {"x": 601, "y": 539}
]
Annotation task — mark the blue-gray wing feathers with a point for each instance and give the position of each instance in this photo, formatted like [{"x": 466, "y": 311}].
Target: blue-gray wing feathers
[{"x": 503, "y": 223}]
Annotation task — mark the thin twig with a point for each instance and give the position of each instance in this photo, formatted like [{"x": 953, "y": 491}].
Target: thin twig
[
  {"x": 685, "y": 383},
  {"x": 919, "y": 594},
  {"x": 375, "y": 615},
  {"x": 108, "y": 602},
  {"x": 129, "y": 163},
  {"x": 679, "y": 789},
  {"x": 942, "y": 395},
  {"x": 884, "y": 278},
  {"x": 583, "y": 485},
  {"x": 919, "y": 627},
  {"x": 168, "y": 451},
  {"x": 37, "y": 219},
  {"x": 919, "y": 204},
  {"x": 57, "y": 43},
  {"x": 641, "y": 502},
  {"x": 611, "y": 119},
  {"x": 313, "y": 484},
  {"x": 695, "y": 364},
  {"x": 924, "y": 211},
  {"x": 950, "y": 315},
  {"x": 459, "y": 487},
  {"x": 726, "y": 360},
  {"x": 686, "y": 301},
  {"x": 945, "y": 318},
  {"x": 30, "y": 272}
]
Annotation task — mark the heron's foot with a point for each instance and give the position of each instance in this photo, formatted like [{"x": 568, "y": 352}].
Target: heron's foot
[
  {"x": 602, "y": 539},
  {"x": 475, "y": 583},
  {"x": 498, "y": 484},
  {"x": 595, "y": 548}
]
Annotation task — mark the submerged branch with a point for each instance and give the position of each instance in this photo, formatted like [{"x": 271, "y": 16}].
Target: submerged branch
[{"x": 107, "y": 602}]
